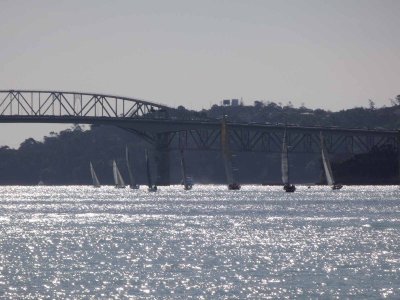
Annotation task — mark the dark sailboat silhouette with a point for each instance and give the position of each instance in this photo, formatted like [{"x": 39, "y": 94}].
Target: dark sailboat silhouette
[
  {"x": 151, "y": 187},
  {"x": 290, "y": 188}
]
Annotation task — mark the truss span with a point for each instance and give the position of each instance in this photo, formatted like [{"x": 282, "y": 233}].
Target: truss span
[{"x": 26, "y": 103}]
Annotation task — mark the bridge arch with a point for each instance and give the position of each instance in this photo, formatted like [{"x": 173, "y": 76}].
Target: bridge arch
[{"x": 41, "y": 103}]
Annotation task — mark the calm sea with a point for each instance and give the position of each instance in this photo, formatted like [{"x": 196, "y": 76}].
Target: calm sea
[{"x": 208, "y": 243}]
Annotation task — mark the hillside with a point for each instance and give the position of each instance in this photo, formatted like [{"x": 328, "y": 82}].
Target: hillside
[{"x": 270, "y": 112}]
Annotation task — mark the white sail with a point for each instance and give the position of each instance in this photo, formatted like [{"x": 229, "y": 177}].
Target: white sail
[
  {"x": 119, "y": 182},
  {"x": 96, "y": 182},
  {"x": 285, "y": 163},
  {"x": 326, "y": 163}
]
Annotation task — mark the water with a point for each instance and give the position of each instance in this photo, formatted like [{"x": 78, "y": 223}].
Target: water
[{"x": 259, "y": 242}]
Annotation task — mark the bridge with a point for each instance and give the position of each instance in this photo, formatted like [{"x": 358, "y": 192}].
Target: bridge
[{"x": 167, "y": 128}]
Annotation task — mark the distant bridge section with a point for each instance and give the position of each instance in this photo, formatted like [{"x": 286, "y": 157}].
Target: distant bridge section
[{"x": 268, "y": 138}]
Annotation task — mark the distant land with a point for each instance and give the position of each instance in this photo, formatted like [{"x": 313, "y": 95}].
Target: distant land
[{"x": 63, "y": 158}]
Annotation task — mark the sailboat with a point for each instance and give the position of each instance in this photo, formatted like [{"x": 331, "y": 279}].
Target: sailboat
[
  {"x": 327, "y": 166},
  {"x": 132, "y": 181},
  {"x": 187, "y": 181},
  {"x": 118, "y": 180},
  {"x": 227, "y": 157},
  {"x": 151, "y": 187},
  {"x": 96, "y": 182},
  {"x": 290, "y": 188}
]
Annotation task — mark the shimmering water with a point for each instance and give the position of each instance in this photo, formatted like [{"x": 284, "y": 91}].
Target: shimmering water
[{"x": 259, "y": 242}]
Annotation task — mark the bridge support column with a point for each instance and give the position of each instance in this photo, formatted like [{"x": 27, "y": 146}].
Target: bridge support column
[{"x": 162, "y": 159}]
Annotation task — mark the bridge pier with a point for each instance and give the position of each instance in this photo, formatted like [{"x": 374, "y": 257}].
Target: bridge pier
[{"x": 162, "y": 159}]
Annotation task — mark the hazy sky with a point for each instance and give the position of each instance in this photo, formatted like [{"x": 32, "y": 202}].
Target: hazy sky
[{"x": 329, "y": 54}]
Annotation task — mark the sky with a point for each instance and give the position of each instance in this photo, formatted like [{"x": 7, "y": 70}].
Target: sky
[{"x": 324, "y": 54}]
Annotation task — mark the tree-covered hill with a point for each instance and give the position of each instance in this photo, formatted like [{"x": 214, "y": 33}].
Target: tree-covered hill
[
  {"x": 64, "y": 158},
  {"x": 271, "y": 112}
]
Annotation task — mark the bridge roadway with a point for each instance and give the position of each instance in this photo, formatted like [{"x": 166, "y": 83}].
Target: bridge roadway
[{"x": 167, "y": 128}]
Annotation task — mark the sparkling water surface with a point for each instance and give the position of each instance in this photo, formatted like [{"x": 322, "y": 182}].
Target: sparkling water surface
[{"x": 207, "y": 243}]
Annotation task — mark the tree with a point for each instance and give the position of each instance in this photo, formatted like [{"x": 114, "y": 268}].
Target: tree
[
  {"x": 258, "y": 104},
  {"x": 371, "y": 104},
  {"x": 398, "y": 99}
]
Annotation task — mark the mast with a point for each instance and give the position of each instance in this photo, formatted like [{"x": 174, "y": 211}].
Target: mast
[
  {"x": 96, "y": 182},
  {"x": 326, "y": 163},
  {"x": 187, "y": 181},
  {"x": 149, "y": 181},
  {"x": 128, "y": 164},
  {"x": 226, "y": 154},
  {"x": 183, "y": 169},
  {"x": 285, "y": 161}
]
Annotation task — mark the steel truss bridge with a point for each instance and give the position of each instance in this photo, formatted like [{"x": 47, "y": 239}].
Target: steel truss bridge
[{"x": 168, "y": 128}]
